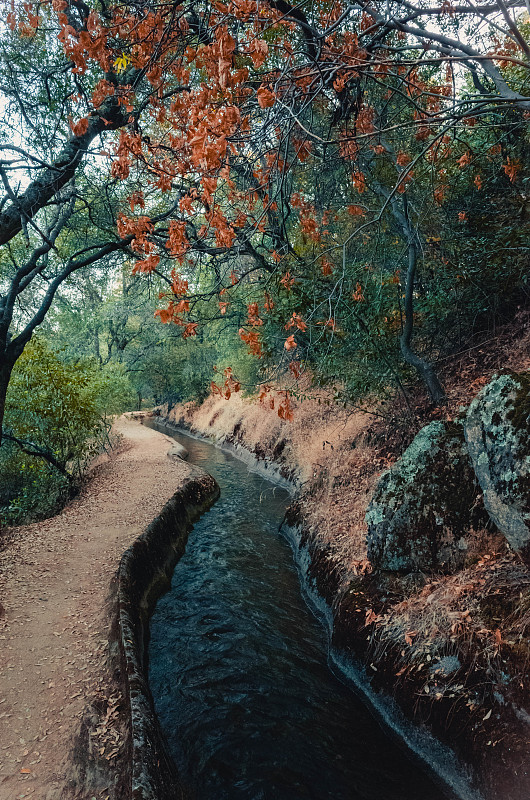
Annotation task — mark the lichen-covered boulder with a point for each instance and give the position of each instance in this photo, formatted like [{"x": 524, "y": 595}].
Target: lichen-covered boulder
[
  {"x": 425, "y": 508},
  {"x": 497, "y": 428}
]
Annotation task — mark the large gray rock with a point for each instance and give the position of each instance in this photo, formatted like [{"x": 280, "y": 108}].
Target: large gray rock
[
  {"x": 424, "y": 509},
  {"x": 497, "y": 428}
]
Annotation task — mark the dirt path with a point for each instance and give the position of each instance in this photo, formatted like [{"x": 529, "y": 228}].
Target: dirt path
[{"x": 54, "y": 626}]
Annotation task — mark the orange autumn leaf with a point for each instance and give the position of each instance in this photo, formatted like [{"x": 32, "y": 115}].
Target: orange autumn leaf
[
  {"x": 285, "y": 410},
  {"x": 164, "y": 314},
  {"x": 258, "y": 52},
  {"x": 253, "y": 315},
  {"x": 290, "y": 343},
  {"x": 251, "y": 339},
  {"x": 511, "y": 168},
  {"x": 356, "y": 211},
  {"x": 287, "y": 281},
  {"x": 359, "y": 181},
  {"x": 136, "y": 199},
  {"x": 266, "y": 98},
  {"x": 190, "y": 330},
  {"x": 269, "y": 302},
  {"x": 358, "y": 295},
  {"x": 403, "y": 158},
  {"x": 296, "y": 320},
  {"x": 264, "y": 392},
  {"x": 295, "y": 368},
  {"x": 179, "y": 286},
  {"x": 464, "y": 160},
  {"x": 79, "y": 128},
  {"x": 370, "y": 617},
  {"x": 439, "y": 194},
  {"x": 147, "y": 265}
]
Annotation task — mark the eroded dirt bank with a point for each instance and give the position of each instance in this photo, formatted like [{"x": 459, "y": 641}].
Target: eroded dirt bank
[
  {"x": 452, "y": 649},
  {"x": 63, "y": 713}
]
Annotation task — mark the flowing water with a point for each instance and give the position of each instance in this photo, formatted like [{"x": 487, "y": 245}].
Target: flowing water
[{"x": 238, "y": 666}]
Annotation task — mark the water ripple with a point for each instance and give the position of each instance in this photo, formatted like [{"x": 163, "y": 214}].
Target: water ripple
[{"x": 238, "y": 666}]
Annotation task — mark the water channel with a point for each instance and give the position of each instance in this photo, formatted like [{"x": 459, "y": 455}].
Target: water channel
[{"x": 238, "y": 666}]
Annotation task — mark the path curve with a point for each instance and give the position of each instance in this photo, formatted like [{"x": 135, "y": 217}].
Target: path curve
[{"x": 55, "y": 581}]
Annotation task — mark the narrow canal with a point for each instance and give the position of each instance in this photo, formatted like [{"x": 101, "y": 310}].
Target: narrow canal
[{"x": 238, "y": 666}]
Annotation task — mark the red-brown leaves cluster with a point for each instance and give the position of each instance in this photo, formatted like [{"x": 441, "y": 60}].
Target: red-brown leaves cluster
[
  {"x": 356, "y": 211},
  {"x": 285, "y": 409},
  {"x": 358, "y": 295},
  {"x": 177, "y": 243},
  {"x": 179, "y": 286},
  {"x": 359, "y": 181},
  {"x": 287, "y": 281},
  {"x": 147, "y": 264},
  {"x": 173, "y": 312},
  {"x": 254, "y": 319},
  {"x": 79, "y": 128},
  {"x": 295, "y": 368},
  {"x": 266, "y": 98},
  {"x": 252, "y": 340},
  {"x": 511, "y": 169},
  {"x": 230, "y": 385},
  {"x": 80, "y": 45},
  {"x": 296, "y": 321},
  {"x": 140, "y": 228},
  {"x": 178, "y": 306},
  {"x": 102, "y": 90}
]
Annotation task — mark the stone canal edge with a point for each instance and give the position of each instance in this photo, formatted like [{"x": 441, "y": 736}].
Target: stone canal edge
[{"x": 76, "y": 591}]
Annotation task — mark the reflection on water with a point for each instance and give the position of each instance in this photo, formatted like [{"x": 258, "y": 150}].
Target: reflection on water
[{"x": 238, "y": 666}]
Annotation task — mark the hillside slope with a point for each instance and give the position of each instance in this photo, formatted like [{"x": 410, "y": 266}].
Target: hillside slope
[{"x": 450, "y": 645}]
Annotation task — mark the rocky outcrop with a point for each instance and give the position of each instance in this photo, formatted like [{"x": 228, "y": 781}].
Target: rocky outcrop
[
  {"x": 497, "y": 428},
  {"x": 453, "y": 481},
  {"x": 424, "y": 509}
]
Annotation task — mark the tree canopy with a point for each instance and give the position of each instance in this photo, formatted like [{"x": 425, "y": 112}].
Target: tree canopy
[{"x": 322, "y": 177}]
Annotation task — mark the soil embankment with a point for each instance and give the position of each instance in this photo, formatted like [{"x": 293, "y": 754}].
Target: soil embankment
[
  {"x": 64, "y": 721},
  {"x": 450, "y": 646}
]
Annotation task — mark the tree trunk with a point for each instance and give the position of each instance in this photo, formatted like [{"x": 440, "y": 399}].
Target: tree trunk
[
  {"x": 6, "y": 368},
  {"x": 425, "y": 370}
]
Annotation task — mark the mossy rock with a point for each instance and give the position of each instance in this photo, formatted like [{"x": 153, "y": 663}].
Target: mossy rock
[
  {"x": 425, "y": 509},
  {"x": 497, "y": 428}
]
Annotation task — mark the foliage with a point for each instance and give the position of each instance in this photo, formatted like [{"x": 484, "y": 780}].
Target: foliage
[
  {"x": 317, "y": 186},
  {"x": 29, "y": 487},
  {"x": 54, "y": 422}
]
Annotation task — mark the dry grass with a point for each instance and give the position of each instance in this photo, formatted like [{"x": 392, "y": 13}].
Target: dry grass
[
  {"x": 322, "y": 449},
  {"x": 464, "y": 617}
]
